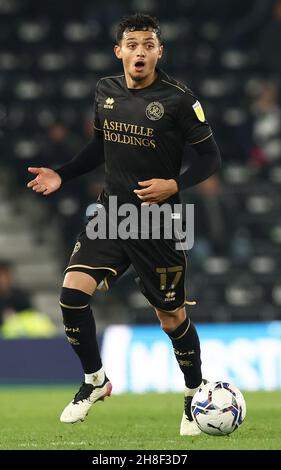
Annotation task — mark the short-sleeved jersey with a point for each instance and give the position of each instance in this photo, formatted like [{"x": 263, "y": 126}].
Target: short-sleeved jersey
[{"x": 144, "y": 131}]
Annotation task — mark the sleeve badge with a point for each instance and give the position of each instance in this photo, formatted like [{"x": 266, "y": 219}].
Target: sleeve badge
[{"x": 199, "y": 111}]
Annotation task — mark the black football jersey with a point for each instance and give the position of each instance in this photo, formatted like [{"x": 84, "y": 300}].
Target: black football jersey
[{"x": 144, "y": 131}]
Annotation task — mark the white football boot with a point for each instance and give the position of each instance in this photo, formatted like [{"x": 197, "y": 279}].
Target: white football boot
[
  {"x": 188, "y": 426},
  {"x": 86, "y": 396}
]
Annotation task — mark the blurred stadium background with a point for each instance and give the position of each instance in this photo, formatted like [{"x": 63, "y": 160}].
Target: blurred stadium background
[{"x": 51, "y": 56}]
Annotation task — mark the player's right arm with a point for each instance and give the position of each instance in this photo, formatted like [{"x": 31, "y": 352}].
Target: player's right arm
[
  {"x": 90, "y": 157},
  {"x": 47, "y": 181}
]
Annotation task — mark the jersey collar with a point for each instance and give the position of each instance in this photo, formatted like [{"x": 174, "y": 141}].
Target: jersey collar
[{"x": 153, "y": 85}]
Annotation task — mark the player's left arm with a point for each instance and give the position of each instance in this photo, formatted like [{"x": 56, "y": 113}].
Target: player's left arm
[
  {"x": 196, "y": 131},
  {"x": 205, "y": 161}
]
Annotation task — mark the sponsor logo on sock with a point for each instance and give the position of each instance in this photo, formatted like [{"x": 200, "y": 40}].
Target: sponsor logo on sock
[
  {"x": 185, "y": 363},
  {"x": 72, "y": 330},
  {"x": 73, "y": 341},
  {"x": 184, "y": 353}
]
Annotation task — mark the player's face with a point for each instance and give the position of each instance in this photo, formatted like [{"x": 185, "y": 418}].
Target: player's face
[{"x": 140, "y": 52}]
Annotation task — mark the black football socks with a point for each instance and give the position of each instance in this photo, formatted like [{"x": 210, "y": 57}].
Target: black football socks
[
  {"x": 80, "y": 328},
  {"x": 187, "y": 351}
]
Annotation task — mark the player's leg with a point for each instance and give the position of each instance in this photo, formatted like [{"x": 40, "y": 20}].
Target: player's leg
[
  {"x": 79, "y": 321},
  {"x": 80, "y": 328},
  {"x": 92, "y": 266},
  {"x": 185, "y": 341},
  {"x": 161, "y": 269}
]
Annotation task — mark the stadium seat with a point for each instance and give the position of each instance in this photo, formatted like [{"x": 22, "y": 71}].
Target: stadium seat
[
  {"x": 33, "y": 31},
  {"x": 236, "y": 174},
  {"x": 75, "y": 89},
  {"x": 79, "y": 32},
  {"x": 235, "y": 59},
  {"x": 216, "y": 265},
  {"x": 28, "y": 89},
  {"x": 52, "y": 61},
  {"x": 98, "y": 61}
]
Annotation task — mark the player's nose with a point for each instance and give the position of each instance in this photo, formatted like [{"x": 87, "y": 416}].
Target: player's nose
[{"x": 140, "y": 52}]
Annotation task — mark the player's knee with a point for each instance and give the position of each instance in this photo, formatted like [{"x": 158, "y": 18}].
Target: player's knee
[
  {"x": 170, "y": 321},
  {"x": 73, "y": 302},
  {"x": 168, "y": 325},
  {"x": 73, "y": 298},
  {"x": 80, "y": 281},
  {"x": 167, "y": 321},
  {"x": 168, "y": 328}
]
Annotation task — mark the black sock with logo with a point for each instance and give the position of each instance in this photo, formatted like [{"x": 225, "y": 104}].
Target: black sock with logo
[
  {"x": 80, "y": 328},
  {"x": 187, "y": 351}
]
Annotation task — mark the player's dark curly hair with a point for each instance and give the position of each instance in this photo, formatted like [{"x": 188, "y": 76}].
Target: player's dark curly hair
[{"x": 138, "y": 22}]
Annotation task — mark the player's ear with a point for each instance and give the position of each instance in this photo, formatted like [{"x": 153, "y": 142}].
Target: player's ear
[
  {"x": 117, "y": 51},
  {"x": 160, "y": 52}
]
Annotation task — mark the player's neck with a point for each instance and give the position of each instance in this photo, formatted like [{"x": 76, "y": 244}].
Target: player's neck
[{"x": 136, "y": 85}]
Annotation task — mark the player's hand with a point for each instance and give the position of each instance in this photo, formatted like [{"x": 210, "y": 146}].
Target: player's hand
[
  {"x": 47, "y": 181},
  {"x": 156, "y": 190}
]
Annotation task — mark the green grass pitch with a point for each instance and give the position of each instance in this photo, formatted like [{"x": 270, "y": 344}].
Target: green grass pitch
[{"x": 30, "y": 420}]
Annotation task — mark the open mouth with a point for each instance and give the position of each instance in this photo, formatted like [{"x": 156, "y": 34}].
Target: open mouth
[{"x": 139, "y": 65}]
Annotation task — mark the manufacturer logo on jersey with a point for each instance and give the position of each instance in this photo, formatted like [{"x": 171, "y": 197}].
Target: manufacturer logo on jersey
[
  {"x": 76, "y": 248},
  {"x": 108, "y": 103},
  {"x": 199, "y": 111},
  {"x": 154, "y": 111}
]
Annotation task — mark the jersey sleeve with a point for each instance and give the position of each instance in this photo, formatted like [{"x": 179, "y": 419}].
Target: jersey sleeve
[
  {"x": 191, "y": 119},
  {"x": 91, "y": 156},
  {"x": 96, "y": 120}
]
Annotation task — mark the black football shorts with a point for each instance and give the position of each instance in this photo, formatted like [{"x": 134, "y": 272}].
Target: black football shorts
[{"x": 160, "y": 267}]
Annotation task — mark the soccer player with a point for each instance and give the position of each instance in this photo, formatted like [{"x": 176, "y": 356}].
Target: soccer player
[{"x": 143, "y": 118}]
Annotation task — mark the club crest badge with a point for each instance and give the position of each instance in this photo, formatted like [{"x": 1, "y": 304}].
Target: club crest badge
[{"x": 154, "y": 111}]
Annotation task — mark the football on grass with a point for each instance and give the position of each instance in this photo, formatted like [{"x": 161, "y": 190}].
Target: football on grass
[{"x": 218, "y": 408}]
